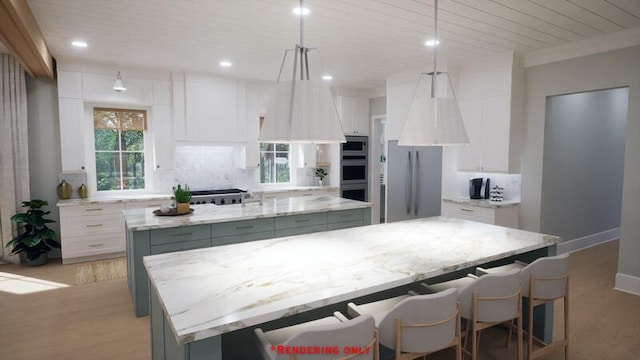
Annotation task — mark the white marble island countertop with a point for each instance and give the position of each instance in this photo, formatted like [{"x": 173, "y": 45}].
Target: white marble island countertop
[
  {"x": 242, "y": 285},
  {"x": 482, "y": 202},
  {"x": 144, "y": 219}
]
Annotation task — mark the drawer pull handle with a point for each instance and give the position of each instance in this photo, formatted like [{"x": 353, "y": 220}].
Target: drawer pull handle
[
  {"x": 307, "y": 194},
  {"x": 93, "y": 225},
  {"x": 302, "y": 220},
  {"x": 468, "y": 210},
  {"x": 96, "y": 245},
  {"x": 183, "y": 234},
  {"x": 94, "y": 209},
  {"x": 244, "y": 227}
]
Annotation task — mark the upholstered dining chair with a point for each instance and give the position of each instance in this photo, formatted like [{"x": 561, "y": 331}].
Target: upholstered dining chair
[
  {"x": 415, "y": 326},
  {"x": 543, "y": 281},
  {"x": 334, "y": 337},
  {"x": 487, "y": 301}
]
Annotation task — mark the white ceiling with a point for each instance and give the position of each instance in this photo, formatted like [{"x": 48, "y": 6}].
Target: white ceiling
[{"x": 361, "y": 41}]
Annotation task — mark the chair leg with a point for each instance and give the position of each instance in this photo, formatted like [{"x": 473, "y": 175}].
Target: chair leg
[
  {"x": 566, "y": 324},
  {"x": 520, "y": 336},
  {"x": 530, "y": 334},
  {"x": 509, "y": 335},
  {"x": 474, "y": 344}
]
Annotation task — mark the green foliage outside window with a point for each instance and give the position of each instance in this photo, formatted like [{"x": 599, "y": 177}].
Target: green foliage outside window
[
  {"x": 275, "y": 163},
  {"x": 119, "y": 149}
]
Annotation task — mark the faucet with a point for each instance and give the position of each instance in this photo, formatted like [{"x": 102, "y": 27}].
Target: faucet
[{"x": 248, "y": 198}]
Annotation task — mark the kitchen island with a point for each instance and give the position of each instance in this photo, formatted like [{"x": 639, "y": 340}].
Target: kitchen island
[
  {"x": 211, "y": 225},
  {"x": 197, "y": 296}
]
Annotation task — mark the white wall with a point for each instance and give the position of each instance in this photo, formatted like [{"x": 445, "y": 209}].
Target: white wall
[
  {"x": 601, "y": 71},
  {"x": 44, "y": 145}
]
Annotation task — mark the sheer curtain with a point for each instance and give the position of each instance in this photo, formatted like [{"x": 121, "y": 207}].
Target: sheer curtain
[{"x": 14, "y": 152}]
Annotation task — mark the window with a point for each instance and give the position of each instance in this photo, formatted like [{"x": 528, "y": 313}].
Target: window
[
  {"x": 119, "y": 148},
  {"x": 275, "y": 163}
]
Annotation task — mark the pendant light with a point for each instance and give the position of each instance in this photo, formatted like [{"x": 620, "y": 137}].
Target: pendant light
[
  {"x": 434, "y": 117},
  {"x": 119, "y": 84},
  {"x": 301, "y": 110}
]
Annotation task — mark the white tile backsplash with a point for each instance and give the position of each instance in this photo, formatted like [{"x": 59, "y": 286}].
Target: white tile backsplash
[
  {"x": 210, "y": 167},
  {"x": 512, "y": 184}
]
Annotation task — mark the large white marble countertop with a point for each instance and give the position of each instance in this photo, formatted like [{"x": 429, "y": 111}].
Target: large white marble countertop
[
  {"x": 268, "y": 189},
  {"x": 114, "y": 199},
  {"x": 208, "y": 292},
  {"x": 144, "y": 219},
  {"x": 482, "y": 202}
]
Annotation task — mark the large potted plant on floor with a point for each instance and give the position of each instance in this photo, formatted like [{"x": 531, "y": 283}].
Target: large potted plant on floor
[{"x": 34, "y": 238}]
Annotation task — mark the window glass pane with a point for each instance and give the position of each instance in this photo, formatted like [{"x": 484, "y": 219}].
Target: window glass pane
[
  {"x": 132, "y": 140},
  {"x": 282, "y": 167},
  {"x": 267, "y": 174},
  {"x": 282, "y": 147},
  {"x": 132, "y": 171},
  {"x": 107, "y": 171},
  {"x": 106, "y": 139},
  {"x": 266, "y": 147}
]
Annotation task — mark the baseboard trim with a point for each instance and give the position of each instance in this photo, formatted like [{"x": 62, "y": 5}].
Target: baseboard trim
[
  {"x": 588, "y": 241},
  {"x": 627, "y": 283}
]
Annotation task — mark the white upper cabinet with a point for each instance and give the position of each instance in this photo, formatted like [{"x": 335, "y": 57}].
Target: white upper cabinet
[
  {"x": 211, "y": 109},
  {"x": 354, "y": 114},
  {"x": 72, "y": 129},
  {"x": 491, "y": 107},
  {"x": 257, "y": 100},
  {"x": 70, "y": 84}
]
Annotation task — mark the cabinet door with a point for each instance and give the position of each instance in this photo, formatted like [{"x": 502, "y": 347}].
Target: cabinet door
[
  {"x": 211, "y": 109},
  {"x": 360, "y": 120},
  {"x": 163, "y": 145},
  {"x": 496, "y": 114},
  {"x": 469, "y": 156},
  {"x": 344, "y": 105},
  {"x": 72, "y": 134}
]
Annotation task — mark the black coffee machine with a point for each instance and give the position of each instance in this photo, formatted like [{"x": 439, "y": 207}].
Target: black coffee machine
[{"x": 475, "y": 189}]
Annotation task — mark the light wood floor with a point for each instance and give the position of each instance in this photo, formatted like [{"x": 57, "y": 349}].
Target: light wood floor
[{"x": 95, "y": 321}]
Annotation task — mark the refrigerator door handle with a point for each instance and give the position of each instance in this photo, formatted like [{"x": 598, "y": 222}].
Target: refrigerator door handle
[
  {"x": 416, "y": 184},
  {"x": 409, "y": 185}
]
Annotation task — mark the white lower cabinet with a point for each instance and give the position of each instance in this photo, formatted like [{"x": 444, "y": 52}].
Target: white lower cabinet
[
  {"x": 500, "y": 215},
  {"x": 96, "y": 231},
  {"x": 91, "y": 231}
]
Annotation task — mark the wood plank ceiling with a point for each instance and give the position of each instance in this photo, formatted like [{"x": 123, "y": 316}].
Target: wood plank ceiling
[{"x": 361, "y": 41}]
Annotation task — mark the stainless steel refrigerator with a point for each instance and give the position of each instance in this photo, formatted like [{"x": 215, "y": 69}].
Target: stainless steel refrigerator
[{"x": 414, "y": 182}]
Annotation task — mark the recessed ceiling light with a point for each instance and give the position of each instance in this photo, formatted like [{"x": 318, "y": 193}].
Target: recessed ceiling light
[
  {"x": 79, "y": 43},
  {"x": 327, "y": 77},
  {"x": 431, "y": 42},
  {"x": 304, "y": 11},
  {"x": 225, "y": 63}
]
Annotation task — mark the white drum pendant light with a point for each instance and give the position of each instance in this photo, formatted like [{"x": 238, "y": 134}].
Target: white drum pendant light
[
  {"x": 434, "y": 117},
  {"x": 301, "y": 110}
]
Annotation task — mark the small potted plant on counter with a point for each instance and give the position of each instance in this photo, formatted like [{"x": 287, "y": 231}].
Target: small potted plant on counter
[
  {"x": 321, "y": 173},
  {"x": 182, "y": 196},
  {"x": 35, "y": 239}
]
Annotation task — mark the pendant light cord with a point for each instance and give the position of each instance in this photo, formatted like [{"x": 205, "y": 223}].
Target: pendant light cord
[{"x": 435, "y": 44}]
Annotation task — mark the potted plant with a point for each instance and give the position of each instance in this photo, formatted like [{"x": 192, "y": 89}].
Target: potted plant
[
  {"x": 321, "y": 173},
  {"x": 35, "y": 239},
  {"x": 182, "y": 196}
]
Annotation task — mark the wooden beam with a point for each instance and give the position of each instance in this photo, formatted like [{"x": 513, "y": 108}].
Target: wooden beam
[{"x": 20, "y": 34}]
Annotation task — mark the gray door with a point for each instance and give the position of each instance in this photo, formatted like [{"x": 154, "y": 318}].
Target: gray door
[
  {"x": 399, "y": 183},
  {"x": 427, "y": 181}
]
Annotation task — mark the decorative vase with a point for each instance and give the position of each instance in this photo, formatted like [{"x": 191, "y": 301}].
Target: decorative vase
[
  {"x": 320, "y": 182},
  {"x": 40, "y": 260},
  {"x": 83, "y": 192},
  {"x": 182, "y": 208},
  {"x": 64, "y": 190}
]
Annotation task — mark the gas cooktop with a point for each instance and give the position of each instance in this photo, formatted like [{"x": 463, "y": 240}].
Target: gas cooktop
[{"x": 217, "y": 197}]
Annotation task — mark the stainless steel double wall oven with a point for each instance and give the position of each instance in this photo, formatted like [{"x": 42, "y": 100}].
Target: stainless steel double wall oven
[{"x": 354, "y": 168}]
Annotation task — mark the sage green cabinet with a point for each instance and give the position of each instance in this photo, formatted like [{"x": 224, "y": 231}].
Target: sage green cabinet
[{"x": 160, "y": 241}]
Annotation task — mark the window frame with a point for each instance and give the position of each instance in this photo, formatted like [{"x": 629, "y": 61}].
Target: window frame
[
  {"x": 275, "y": 152},
  {"x": 90, "y": 150}
]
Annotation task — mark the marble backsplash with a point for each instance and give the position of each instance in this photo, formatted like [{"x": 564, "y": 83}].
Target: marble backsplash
[
  {"x": 512, "y": 184},
  {"x": 210, "y": 167}
]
